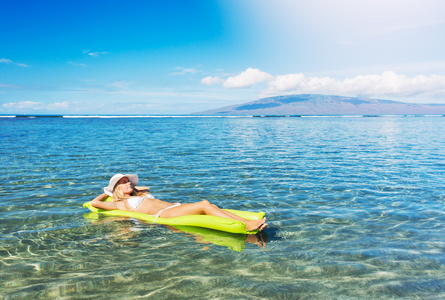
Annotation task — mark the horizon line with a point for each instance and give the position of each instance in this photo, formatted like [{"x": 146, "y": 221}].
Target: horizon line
[{"x": 113, "y": 116}]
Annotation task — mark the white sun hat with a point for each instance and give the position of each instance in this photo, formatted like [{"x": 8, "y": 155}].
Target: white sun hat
[{"x": 110, "y": 188}]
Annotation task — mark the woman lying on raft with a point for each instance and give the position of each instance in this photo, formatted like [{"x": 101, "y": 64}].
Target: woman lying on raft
[{"x": 129, "y": 198}]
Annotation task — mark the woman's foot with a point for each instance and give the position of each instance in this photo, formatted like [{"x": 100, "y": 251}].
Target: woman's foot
[{"x": 252, "y": 225}]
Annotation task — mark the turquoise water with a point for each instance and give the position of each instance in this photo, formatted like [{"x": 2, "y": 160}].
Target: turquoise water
[{"x": 355, "y": 208}]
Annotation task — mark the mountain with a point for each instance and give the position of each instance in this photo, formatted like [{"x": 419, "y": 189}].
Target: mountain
[{"x": 314, "y": 104}]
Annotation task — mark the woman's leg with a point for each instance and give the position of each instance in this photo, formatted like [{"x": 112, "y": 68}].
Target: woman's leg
[{"x": 206, "y": 208}]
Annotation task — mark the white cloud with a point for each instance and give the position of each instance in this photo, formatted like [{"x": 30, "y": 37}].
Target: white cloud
[
  {"x": 9, "y": 86},
  {"x": 246, "y": 79},
  {"x": 8, "y": 61},
  {"x": 120, "y": 84},
  {"x": 94, "y": 54},
  {"x": 36, "y": 106},
  {"x": 209, "y": 80},
  {"x": 77, "y": 64},
  {"x": 64, "y": 104},
  {"x": 296, "y": 82},
  {"x": 387, "y": 84},
  {"x": 22, "y": 105},
  {"x": 185, "y": 71}
]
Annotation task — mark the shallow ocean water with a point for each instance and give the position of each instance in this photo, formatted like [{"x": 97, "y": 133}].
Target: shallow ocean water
[{"x": 355, "y": 208}]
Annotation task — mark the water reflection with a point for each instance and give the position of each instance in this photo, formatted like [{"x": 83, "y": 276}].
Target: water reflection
[{"x": 125, "y": 229}]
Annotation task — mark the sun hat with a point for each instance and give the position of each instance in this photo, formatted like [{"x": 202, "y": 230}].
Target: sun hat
[{"x": 115, "y": 179}]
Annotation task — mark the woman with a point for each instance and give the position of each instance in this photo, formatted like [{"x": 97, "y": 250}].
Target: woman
[{"x": 127, "y": 197}]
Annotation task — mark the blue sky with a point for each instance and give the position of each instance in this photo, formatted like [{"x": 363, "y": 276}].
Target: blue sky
[{"x": 179, "y": 57}]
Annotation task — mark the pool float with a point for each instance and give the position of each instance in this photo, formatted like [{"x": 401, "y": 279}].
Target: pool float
[{"x": 212, "y": 222}]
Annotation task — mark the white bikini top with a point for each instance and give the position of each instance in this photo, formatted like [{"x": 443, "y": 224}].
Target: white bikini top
[{"x": 136, "y": 201}]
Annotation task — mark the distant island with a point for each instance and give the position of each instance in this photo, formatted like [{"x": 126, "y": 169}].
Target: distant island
[{"x": 315, "y": 104}]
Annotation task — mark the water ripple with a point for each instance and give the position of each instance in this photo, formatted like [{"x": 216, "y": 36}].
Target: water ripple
[{"x": 355, "y": 207}]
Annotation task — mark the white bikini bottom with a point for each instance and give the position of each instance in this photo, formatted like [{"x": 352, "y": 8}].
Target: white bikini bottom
[
  {"x": 136, "y": 201},
  {"x": 159, "y": 212}
]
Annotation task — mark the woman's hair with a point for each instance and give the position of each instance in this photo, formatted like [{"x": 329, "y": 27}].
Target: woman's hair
[{"x": 119, "y": 195}]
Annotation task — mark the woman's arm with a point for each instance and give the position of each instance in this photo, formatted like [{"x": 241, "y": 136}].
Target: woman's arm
[
  {"x": 143, "y": 189},
  {"x": 99, "y": 203}
]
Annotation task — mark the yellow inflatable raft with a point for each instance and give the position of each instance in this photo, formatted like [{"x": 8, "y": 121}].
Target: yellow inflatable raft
[{"x": 212, "y": 222}]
